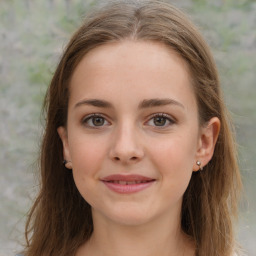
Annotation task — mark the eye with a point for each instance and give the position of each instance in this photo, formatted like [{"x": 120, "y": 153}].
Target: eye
[
  {"x": 161, "y": 120},
  {"x": 95, "y": 120}
]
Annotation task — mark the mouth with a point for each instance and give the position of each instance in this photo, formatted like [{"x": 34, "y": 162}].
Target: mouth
[
  {"x": 126, "y": 184},
  {"x": 123, "y": 182}
]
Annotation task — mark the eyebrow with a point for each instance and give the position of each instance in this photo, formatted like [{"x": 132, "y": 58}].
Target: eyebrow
[
  {"x": 144, "y": 104},
  {"x": 94, "y": 102},
  {"x": 159, "y": 102}
]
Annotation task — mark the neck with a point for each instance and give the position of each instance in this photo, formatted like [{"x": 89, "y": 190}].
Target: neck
[{"x": 157, "y": 238}]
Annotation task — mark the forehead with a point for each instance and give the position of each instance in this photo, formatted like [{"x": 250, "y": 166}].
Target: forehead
[
  {"x": 150, "y": 52},
  {"x": 132, "y": 67}
]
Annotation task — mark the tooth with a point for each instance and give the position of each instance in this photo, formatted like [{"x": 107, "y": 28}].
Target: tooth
[{"x": 123, "y": 182}]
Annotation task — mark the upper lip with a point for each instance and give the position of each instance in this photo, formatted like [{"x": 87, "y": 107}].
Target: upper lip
[{"x": 131, "y": 177}]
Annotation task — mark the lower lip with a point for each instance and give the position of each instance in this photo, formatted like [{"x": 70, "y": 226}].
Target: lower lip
[{"x": 127, "y": 189}]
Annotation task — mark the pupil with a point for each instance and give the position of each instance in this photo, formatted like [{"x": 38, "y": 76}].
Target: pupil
[
  {"x": 159, "y": 121},
  {"x": 98, "y": 121}
]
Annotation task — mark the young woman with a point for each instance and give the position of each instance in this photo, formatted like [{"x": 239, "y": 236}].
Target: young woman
[{"x": 138, "y": 156}]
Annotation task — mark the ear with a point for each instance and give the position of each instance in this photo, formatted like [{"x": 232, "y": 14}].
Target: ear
[
  {"x": 66, "y": 153},
  {"x": 206, "y": 144}
]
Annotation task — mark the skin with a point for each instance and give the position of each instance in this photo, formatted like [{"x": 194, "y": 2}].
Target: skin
[{"x": 130, "y": 139}]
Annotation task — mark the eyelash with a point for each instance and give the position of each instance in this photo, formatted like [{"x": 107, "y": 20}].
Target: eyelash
[
  {"x": 167, "y": 117},
  {"x": 86, "y": 119}
]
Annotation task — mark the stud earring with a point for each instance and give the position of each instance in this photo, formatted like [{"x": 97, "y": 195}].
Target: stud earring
[
  {"x": 198, "y": 163},
  {"x": 67, "y": 164}
]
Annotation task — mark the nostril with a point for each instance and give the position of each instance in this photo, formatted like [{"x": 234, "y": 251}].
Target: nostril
[{"x": 134, "y": 158}]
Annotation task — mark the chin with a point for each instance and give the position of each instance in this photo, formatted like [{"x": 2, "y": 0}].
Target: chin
[{"x": 131, "y": 216}]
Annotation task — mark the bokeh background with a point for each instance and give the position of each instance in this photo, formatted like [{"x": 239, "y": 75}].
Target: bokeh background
[{"x": 33, "y": 34}]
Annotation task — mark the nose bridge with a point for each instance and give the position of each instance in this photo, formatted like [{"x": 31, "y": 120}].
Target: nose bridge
[{"x": 126, "y": 145}]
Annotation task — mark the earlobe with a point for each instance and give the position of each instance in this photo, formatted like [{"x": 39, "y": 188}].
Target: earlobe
[
  {"x": 64, "y": 138},
  {"x": 207, "y": 141}
]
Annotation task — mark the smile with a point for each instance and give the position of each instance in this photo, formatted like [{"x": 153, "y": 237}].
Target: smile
[
  {"x": 123, "y": 182},
  {"x": 126, "y": 184}
]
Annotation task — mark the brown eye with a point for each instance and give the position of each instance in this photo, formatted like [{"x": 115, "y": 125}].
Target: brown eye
[
  {"x": 95, "y": 120},
  {"x": 98, "y": 121},
  {"x": 160, "y": 121}
]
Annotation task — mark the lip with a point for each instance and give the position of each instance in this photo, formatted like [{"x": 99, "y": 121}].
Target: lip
[{"x": 126, "y": 184}]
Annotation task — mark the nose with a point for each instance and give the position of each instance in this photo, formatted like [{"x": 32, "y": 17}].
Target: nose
[{"x": 126, "y": 147}]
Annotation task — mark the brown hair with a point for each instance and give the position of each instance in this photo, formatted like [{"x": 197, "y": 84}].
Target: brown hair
[{"x": 60, "y": 219}]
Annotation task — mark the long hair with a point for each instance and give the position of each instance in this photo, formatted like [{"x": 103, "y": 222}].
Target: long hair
[{"x": 60, "y": 219}]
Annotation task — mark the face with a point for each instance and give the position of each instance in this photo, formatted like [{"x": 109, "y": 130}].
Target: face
[{"x": 132, "y": 135}]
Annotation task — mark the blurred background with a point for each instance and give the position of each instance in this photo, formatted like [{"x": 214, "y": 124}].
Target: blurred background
[{"x": 32, "y": 37}]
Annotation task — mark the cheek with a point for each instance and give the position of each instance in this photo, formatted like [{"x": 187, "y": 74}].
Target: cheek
[
  {"x": 87, "y": 156},
  {"x": 175, "y": 152},
  {"x": 174, "y": 166},
  {"x": 174, "y": 159}
]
